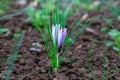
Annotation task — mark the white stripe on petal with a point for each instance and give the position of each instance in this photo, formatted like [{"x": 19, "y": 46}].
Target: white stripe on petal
[{"x": 53, "y": 33}]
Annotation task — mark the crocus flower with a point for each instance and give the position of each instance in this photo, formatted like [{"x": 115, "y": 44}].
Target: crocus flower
[{"x": 58, "y": 35}]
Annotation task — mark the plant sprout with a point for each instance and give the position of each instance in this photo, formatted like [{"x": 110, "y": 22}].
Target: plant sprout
[
  {"x": 39, "y": 16},
  {"x": 42, "y": 15},
  {"x": 116, "y": 12},
  {"x": 88, "y": 5},
  {"x": 4, "y": 5},
  {"x": 115, "y": 35},
  {"x": 3, "y": 30}
]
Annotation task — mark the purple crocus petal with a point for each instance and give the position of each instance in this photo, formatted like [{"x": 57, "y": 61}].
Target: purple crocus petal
[{"x": 61, "y": 37}]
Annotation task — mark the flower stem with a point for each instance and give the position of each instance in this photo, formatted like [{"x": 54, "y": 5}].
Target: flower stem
[
  {"x": 57, "y": 61},
  {"x": 55, "y": 69}
]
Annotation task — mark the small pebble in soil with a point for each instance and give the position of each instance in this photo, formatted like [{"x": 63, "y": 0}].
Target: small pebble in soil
[
  {"x": 55, "y": 79},
  {"x": 35, "y": 49},
  {"x": 78, "y": 47},
  {"x": 21, "y": 62}
]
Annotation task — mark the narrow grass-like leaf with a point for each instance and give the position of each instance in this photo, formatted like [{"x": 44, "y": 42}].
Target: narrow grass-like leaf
[
  {"x": 9, "y": 58},
  {"x": 105, "y": 64},
  {"x": 9, "y": 16},
  {"x": 106, "y": 20},
  {"x": 90, "y": 61},
  {"x": 13, "y": 58}
]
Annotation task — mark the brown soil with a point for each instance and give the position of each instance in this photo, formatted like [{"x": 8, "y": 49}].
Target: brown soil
[{"x": 36, "y": 65}]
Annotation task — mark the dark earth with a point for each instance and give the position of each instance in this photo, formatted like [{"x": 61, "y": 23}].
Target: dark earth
[{"x": 92, "y": 60}]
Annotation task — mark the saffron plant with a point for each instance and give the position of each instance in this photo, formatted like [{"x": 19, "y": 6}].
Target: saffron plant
[
  {"x": 55, "y": 39},
  {"x": 58, "y": 35}
]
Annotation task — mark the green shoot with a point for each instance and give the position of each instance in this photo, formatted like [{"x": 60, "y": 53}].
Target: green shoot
[
  {"x": 117, "y": 68},
  {"x": 13, "y": 58},
  {"x": 114, "y": 34},
  {"x": 10, "y": 58},
  {"x": 88, "y": 5},
  {"x": 4, "y": 5},
  {"x": 105, "y": 63},
  {"x": 12, "y": 14},
  {"x": 16, "y": 35},
  {"x": 39, "y": 16},
  {"x": 3, "y": 30},
  {"x": 90, "y": 61}
]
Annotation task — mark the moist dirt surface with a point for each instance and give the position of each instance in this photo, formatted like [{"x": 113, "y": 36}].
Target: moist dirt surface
[{"x": 90, "y": 58}]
